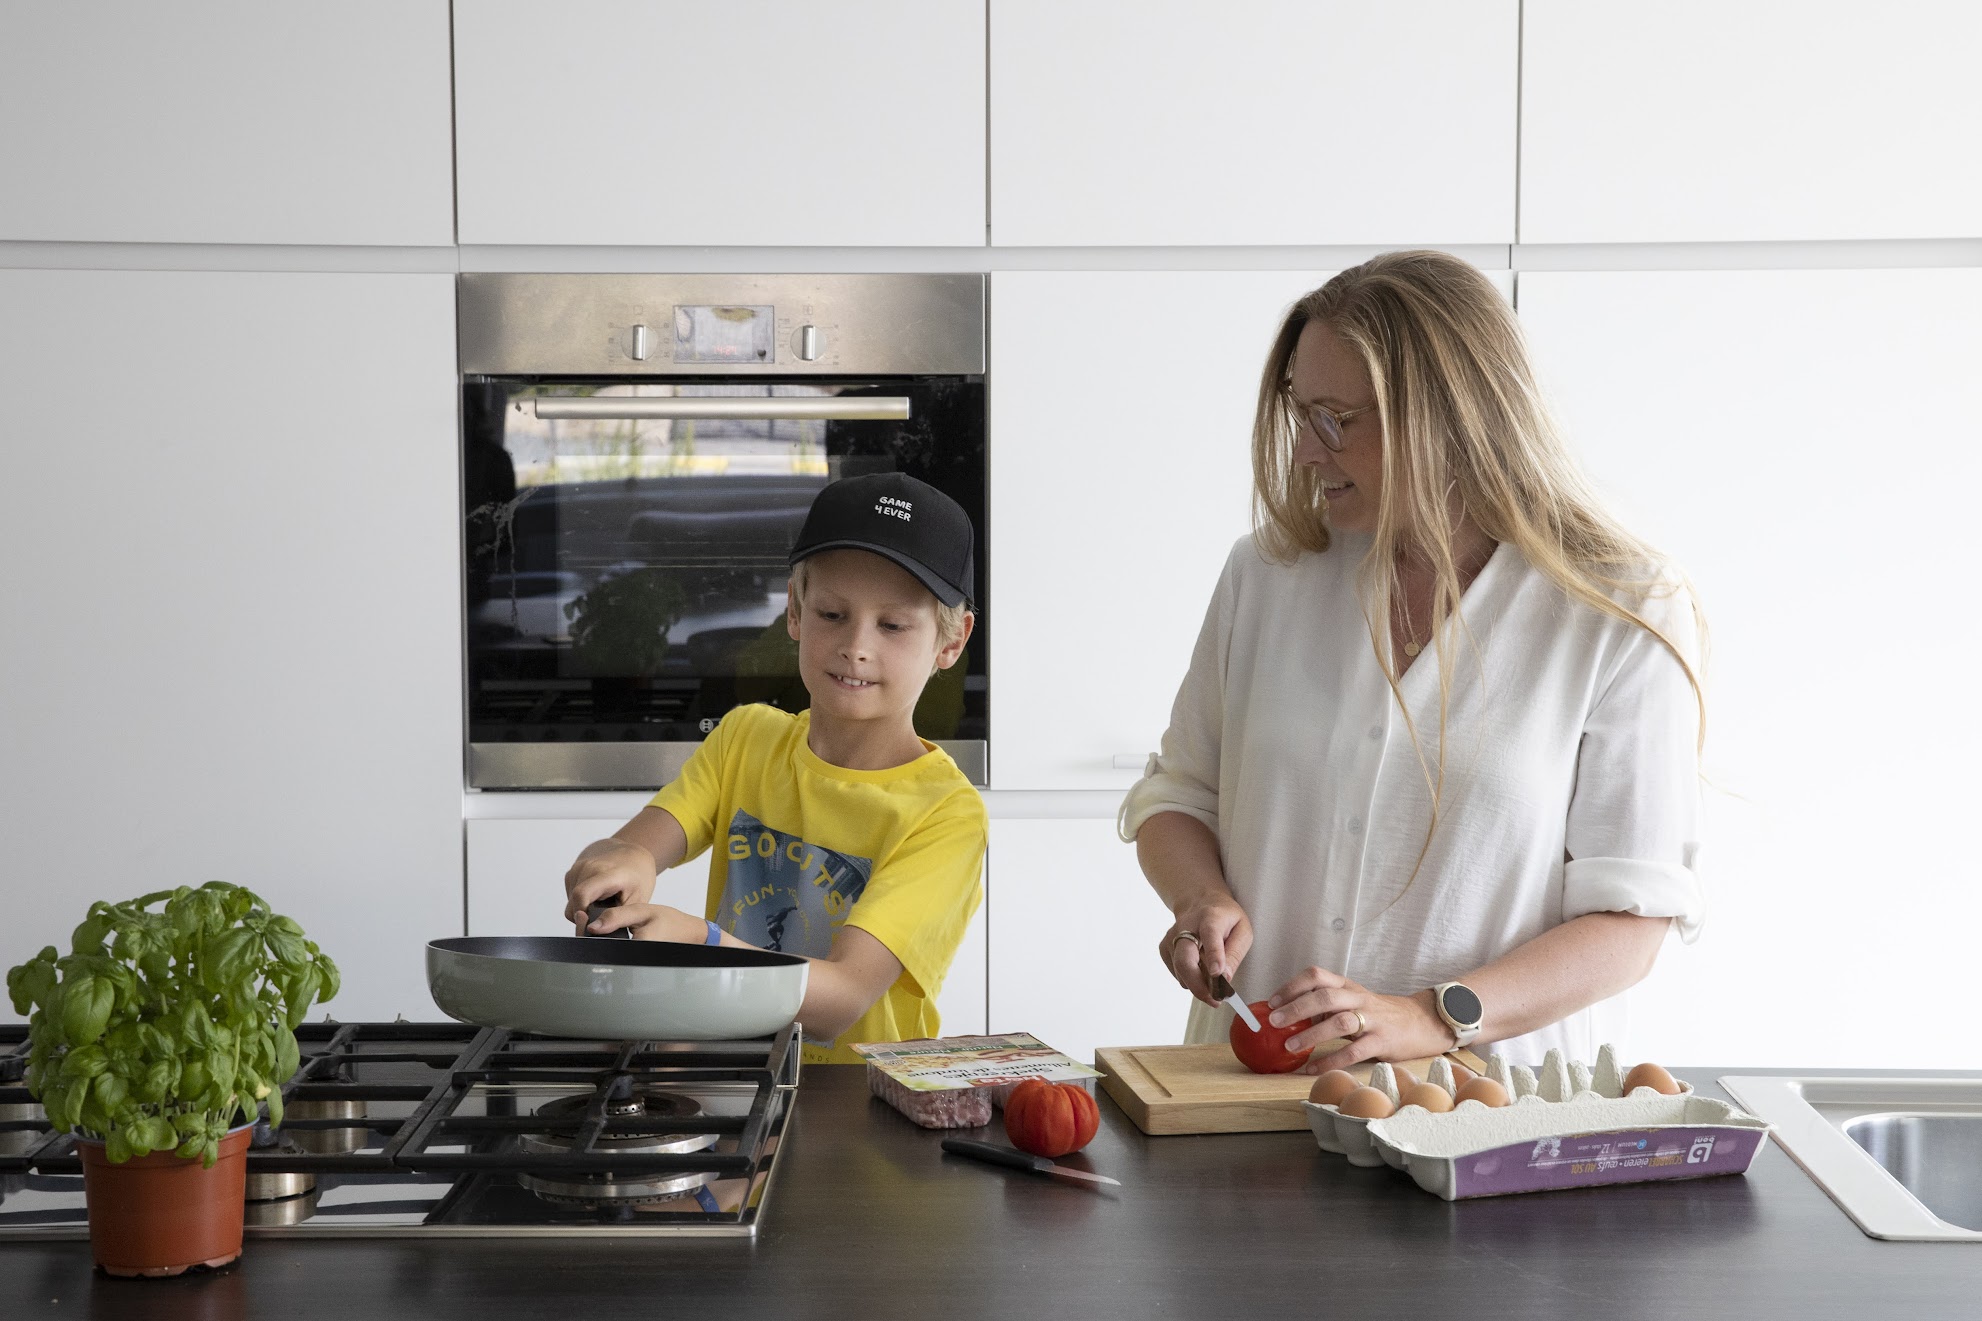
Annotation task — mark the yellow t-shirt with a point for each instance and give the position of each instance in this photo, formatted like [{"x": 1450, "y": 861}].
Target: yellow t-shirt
[{"x": 805, "y": 847}]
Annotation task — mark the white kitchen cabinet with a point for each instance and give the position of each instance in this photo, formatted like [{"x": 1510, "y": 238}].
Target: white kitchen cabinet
[
  {"x": 227, "y": 121},
  {"x": 233, "y": 641},
  {"x": 749, "y": 123},
  {"x": 1255, "y": 122},
  {"x": 1807, "y": 445},
  {"x": 515, "y": 887},
  {"x": 1121, "y": 425},
  {"x": 1074, "y": 932},
  {"x": 1698, "y": 120}
]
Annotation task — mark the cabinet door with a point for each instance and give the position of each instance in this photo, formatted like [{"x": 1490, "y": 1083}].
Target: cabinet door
[
  {"x": 1074, "y": 931},
  {"x": 1121, "y": 424},
  {"x": 754, "y": 122},
  {"x": 515, "y": 881},
  {"x": 1259, "y": 121},
  {"x": 227, "y": 121},
  {"x": 1806, "y": 444},
  {"x": 1694, "y": 120},
  {"x": 233, "y": 598}
]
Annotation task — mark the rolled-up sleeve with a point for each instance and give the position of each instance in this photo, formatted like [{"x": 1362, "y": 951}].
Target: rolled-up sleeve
[
  {"x": 1634, "y": 820},
  {"x": 1183, "y": 776}
]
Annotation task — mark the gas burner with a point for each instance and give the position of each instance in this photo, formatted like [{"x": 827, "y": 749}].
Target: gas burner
[{"x": 566, "y": 1115}]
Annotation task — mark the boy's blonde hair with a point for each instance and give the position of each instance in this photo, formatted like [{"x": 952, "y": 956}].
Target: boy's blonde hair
[{"x": 949, "y": 618}]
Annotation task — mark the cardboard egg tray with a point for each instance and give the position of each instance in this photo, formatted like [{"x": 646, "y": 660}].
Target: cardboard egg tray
[{"x": 1568, "y": 1127}]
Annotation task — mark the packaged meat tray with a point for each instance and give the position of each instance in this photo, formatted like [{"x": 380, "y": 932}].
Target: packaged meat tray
[{"x": 957, "y": 1082}]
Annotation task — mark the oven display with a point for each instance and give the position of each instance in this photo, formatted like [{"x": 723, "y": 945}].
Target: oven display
[{"x": 716, "y": 333}]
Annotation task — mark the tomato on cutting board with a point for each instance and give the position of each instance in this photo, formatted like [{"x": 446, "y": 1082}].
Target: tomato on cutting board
[{"x": 1265, "y": 1051}]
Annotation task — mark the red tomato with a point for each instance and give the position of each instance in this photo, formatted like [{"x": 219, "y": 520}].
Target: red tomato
[
  {"x": 1050, "y": 1118},
  {"x": 1265, "y": 1051}
]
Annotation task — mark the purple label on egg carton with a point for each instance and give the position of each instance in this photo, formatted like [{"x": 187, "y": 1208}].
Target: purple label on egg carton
[{"x": 1586, "y": 1160}]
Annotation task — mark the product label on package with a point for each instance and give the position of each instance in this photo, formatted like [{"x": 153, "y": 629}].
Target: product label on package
[
  {"x": 1582, "y": 1160},
  {"x": 941, "y": 1064}
]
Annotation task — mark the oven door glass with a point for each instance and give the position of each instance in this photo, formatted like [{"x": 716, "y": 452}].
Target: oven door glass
[{"x": 626, "y": 569}]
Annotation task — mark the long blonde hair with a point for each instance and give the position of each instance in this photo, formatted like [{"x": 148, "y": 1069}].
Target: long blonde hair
[{"x": 1462, "y": 423}]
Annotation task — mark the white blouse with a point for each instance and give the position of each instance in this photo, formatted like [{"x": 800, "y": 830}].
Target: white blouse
[{"x": 1571, "y": 735}]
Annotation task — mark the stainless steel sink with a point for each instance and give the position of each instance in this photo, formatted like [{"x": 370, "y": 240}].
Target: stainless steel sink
[{"x": 1902, "y": 1156}]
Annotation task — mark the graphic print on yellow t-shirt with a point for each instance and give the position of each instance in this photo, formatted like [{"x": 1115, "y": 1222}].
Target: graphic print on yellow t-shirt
[{"x": 785, "y": 894}]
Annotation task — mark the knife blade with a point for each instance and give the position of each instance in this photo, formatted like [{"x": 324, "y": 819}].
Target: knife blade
[
  {"x": 1019, "y": 1160},
  {"x": 1221, "y": 987}
]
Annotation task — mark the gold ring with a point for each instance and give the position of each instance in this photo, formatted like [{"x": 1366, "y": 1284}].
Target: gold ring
[
  {"x": 1185, "y": 935},
  {"x": 1362, "y": 1024}
]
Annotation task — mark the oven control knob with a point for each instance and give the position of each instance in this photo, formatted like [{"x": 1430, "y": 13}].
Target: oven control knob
[
  {"x": 808, "y": 343},
  {"x": 636, "y": 344}
]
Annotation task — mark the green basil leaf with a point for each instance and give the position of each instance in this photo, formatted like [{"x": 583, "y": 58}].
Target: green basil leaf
[
  {"x": 110, "y": 1091},
  {"x": 194, "y": 1080},
  {"x": 287, "y": 947},
  {"x": 84, "y": 1010},
  {"x": 194, "y": 1026},
  {"x": 327, "y": 974},
  {"x": 275, "y": 1108},
  {"x": 85, "y": 1062},
  {"x": 89, "y": 933},
  {"x": 116, "y": 1147},
  {"x": 288, "y": 1056}
]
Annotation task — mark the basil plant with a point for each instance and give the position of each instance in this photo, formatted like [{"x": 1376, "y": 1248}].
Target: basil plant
[{"x": 159, "y": 1028}]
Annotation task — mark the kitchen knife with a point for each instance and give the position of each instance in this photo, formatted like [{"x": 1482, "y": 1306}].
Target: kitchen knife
[
  {"x": 1222, "y": 989},
  {"x": 1019, "y": 1160}
]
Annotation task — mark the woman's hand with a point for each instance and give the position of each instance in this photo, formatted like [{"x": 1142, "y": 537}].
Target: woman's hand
[
  {"x": 1222, "y": 934},
  {"x": 608, "y": 869},
  {"x": 651, "y": 922},
  {"x": 1379, "y": 1027}
]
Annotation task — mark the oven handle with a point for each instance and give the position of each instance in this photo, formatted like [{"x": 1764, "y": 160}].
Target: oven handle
[{"x": 614, "y": 408}]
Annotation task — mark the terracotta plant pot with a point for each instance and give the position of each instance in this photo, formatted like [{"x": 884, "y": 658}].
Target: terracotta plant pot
[{"x": 160, "y": 1215}]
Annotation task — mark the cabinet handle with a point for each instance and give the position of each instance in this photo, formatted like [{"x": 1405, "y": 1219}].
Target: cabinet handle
[
  {"x": 610, "y": 408},
  {"x": 1132, "y": 761}
]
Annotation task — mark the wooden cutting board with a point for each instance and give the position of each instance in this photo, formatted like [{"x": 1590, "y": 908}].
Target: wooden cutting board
[{"x": 1204, "y": 1089}]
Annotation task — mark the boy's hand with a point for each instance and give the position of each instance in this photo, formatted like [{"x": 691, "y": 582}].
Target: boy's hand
[
  {"x": 607, "y": 871},
  {"x": 650, "y": 922}
]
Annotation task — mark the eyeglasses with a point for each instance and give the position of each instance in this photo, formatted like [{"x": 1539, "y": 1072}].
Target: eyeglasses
[{"x": 1326, "y": 423}]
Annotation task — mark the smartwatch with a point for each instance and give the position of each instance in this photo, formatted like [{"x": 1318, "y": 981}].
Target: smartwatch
[{"x": 1459, "y": 1005}]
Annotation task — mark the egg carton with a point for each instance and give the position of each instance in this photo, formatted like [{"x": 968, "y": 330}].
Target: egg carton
[{"x": 1570, "y": 1126}]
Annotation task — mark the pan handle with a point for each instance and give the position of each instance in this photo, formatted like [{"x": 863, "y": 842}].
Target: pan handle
[{"x": 592, "y": 915}]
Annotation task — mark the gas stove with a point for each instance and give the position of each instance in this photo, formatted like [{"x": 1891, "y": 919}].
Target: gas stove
[{"x": 439, "y": 1129}]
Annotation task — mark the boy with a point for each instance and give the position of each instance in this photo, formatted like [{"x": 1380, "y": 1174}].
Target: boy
[{"x": 840, "y": 834}]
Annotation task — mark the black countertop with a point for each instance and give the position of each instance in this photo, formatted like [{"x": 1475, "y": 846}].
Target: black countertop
[{"x": 869, "y": 1218}]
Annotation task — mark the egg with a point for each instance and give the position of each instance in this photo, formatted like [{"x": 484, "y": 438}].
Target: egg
[
  {"x": 1652, "y": 1076},
  {"x": 1331, "y": 1087},
  {"x": 1406, "y": 1080},
  {"x": 1461, "y": 1075},
  {"x": 1484, "y": 1090},
  {"x": 1367, "y": 1103},
  {"x": 1432, "y": 1097}
]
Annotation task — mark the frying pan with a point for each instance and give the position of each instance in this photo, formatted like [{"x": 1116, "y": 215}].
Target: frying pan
[{"x": 615, "y": 990}]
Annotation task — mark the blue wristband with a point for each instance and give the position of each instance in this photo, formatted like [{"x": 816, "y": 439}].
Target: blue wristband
[{"x": 715, "y": 935}]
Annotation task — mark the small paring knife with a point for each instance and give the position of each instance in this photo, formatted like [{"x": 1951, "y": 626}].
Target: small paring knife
[
  {"x": 1221, "y": 987},
  {"x": 1019, "y": 1160}
]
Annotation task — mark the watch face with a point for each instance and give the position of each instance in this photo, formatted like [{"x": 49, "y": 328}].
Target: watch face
[{"x": 1461, "y": 1005}]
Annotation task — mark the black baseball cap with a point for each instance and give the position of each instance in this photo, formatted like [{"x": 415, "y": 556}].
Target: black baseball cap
[{"x": 901, "y": 519}]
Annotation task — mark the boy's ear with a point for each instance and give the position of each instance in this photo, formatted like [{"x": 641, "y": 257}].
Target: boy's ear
[
  {"x": 791, "y": 611},
  {"x": 947, "y": 656}
]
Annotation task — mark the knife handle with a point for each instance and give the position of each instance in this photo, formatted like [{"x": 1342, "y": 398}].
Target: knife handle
[
  {"x": 592, "y": 915},
  {"x": 996, "y": 1155}
]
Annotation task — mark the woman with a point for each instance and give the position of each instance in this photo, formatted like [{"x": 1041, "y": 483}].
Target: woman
[{"x": 1441, "y": 725}]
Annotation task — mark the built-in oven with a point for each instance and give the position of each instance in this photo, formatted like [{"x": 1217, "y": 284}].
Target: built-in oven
[{"x": 638, "y": 452}]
